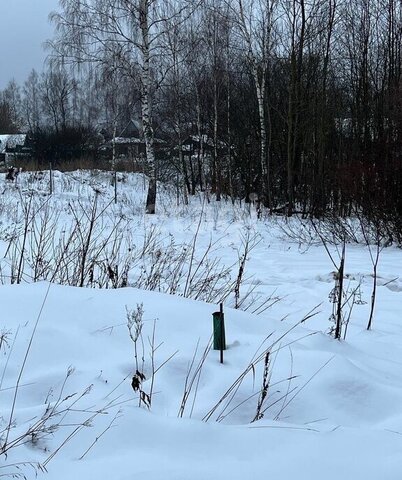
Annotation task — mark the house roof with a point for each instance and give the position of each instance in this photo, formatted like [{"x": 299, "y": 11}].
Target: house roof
[
  {"x": 125, "y": 140},
  {"x": 131, "y": 140},
  {"x": 11, "y": 141}
]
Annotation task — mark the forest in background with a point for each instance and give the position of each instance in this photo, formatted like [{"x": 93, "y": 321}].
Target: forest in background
[{"x": 294, "y": 104}]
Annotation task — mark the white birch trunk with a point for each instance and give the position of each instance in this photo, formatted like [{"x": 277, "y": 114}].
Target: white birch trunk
[
  {"x": 260, "y": 91},
  {"x": 146, "y": 106},
  {"x": 200, "y": 153},
  {"x": 217, "y": 166}
]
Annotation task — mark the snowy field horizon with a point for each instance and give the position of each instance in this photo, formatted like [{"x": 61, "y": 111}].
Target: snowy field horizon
[{"x": 107, "y": 365}]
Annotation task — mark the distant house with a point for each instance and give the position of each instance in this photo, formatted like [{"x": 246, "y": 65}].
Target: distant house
[
  {"x": 13, "y": 146},
  {"x": 131, "y": 145},
  {"x": 126, "y": 146}
]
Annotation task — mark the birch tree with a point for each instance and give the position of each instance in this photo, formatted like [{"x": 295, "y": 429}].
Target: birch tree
[
  {"x": 255, "y": 20},
  {"x": 128, "y": 32}
]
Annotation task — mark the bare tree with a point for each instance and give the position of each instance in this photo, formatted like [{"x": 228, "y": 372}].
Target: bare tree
[
  {"x": 129, "y": 31},
  {"x": 12, "y": 98},
  {"x": 256, "y": 20},
  {"x": 56, "y": 91},
  {"x": 31, "y": 103}
]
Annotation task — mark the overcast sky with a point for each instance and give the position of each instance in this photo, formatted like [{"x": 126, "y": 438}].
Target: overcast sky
[{"x": 24, "y": 26}]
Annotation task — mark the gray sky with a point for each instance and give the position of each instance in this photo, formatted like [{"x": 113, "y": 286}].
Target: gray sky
[{"x": 24, "y": 26}]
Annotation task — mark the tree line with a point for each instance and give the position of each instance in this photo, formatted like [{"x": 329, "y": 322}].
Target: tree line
[{"x": 293, "y": 103}]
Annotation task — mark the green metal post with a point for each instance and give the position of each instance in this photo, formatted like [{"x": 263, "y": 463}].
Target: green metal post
[{"x": 219, "y": 331}]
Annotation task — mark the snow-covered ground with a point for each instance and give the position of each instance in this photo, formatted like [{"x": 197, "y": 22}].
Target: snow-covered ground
[{"x": 326, "y": 408}]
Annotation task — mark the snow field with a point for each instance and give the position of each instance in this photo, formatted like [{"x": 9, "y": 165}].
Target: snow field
[{"x": 332, "y": 408}]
